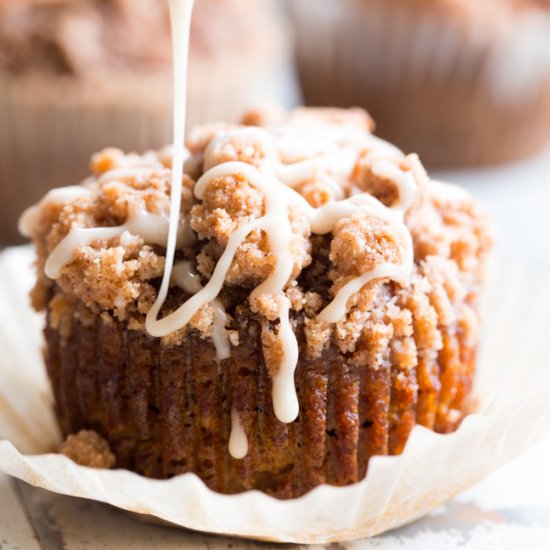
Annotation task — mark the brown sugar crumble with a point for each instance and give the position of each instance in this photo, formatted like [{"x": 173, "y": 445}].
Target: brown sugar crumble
[{"x": 88, "y": 448}]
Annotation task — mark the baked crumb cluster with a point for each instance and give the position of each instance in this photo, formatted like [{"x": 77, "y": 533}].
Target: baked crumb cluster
[
  {"x": 88, "y": 448},
  {"x": 119, "y": 278}
]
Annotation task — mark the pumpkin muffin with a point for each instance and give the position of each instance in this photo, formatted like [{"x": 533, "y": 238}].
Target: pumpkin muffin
[
  {"x": 345, "y": 311},
  {"x": 461, "y": 82}
]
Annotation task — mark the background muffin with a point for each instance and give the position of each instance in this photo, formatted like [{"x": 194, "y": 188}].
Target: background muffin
[
  {"x": 77, "y": 75},
  {"x": 459, "y": 82},
  {"x": 400, "y": 354}
]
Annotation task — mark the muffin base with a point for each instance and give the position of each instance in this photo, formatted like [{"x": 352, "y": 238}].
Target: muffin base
[{"x": 166, "y": 410}]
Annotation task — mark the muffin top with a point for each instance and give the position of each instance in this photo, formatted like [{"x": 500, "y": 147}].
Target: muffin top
[
  {"x": 347, "y": 204},
  {"x": 303, "y": 221},
  {"x": 93, "y": 37}
]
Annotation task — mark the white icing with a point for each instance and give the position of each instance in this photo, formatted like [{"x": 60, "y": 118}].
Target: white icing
[
  {"x": 153, "y": 228},
  {"x": 337, "y": 309},
  {"x": 332, "y": 155},
  {"x": 219, "y": 332},
  {"x": 405, "y": 182},
  {"x": 180, "y": 317},
  {"x": 186, "y": 278},
  {"x": 28, "y": 221},
  {"x": 180, "y": 18},
  {"x": 126, "y": 239},
  {"x": 285, "y": 400},
  {"x": 132, "y": 172},
  {"x": 447, "y": 191},
  {"x": 238, "y": 442},
  {"x": 310, "y": 137}
]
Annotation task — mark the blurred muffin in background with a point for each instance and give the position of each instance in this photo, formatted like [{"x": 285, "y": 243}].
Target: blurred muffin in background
[
  {"x": 461, "y": 82},
  {"x": 78, "y": 74}
]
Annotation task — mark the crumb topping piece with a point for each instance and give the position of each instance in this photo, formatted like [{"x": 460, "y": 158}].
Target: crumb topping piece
[{"x": 88, "y": 448}]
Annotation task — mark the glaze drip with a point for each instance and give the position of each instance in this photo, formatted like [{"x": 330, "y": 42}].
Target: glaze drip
[
  {"x": 152, "y": 228},
  {"x": 29, "y": 219},
  {"x": 238, "y": 442},
  {"x": 187, "y": 279},
  {"x": 180, "y": 20}
]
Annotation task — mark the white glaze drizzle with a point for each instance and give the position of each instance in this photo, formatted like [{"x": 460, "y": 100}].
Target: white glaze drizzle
[
  {"x": 285, "y": 400},
  {"x": 337, "y": 309},
  {"x": 406, "y": 184},
  {"x": 133, "y": 172},
  {"x": 180, "y": 20},
  {"x": 337, "y": 160},
  {"x": 180, "y": 317},
  {"x": 152, "y": 228},
  {"x": 311, "y": 138},
  {"x": 28, "y": 221},
  {"x": 186, "y": 278},
  {"x": 238, "y": 442}
]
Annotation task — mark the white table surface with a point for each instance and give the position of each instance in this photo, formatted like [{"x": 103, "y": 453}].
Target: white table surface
[{"x": 509, "y": 510}]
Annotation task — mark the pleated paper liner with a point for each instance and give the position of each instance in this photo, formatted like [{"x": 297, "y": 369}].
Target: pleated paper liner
[{"x": 513, "y": 412}]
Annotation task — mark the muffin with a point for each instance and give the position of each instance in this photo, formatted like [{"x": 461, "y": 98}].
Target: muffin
[
  {"x": 75, "y": 75},
  {"x": 458, "y": 81},
  {"x": 324, "y": 301}
]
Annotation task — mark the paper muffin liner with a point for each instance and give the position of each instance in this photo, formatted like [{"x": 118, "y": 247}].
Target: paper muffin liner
[
  {"x": 513, "y": 412},
  {"x": 456, "y": 87}
]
